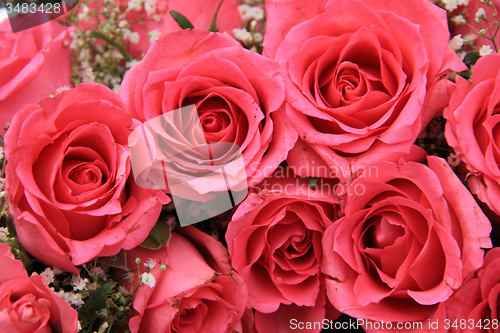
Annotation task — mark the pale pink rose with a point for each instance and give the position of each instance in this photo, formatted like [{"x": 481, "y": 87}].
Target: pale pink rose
[
  {"x": 238, "y": 95},
  {"x": 362, "y": 77},
  {"x": 198, "y": 291},
  {"x": 34, "y": 64},
  {"x": 274, "y": 240},
  {"x": 472, "y": 129},
  {"x": 410, "y": 236},
  {"x": 68, "y": 179},
  {"x": 28, "y": 305},
  {"x": 475, "y": 305}
]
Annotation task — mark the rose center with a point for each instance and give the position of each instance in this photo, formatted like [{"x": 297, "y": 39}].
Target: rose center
[
  {"x": 381, "y": 233},
  {"x": 85, "y": 175},
  {"x": 214, "y": 122},
  {"x": 347, "y": 79}
]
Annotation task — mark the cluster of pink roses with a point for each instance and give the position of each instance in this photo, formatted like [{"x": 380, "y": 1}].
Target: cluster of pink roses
[{"x": 342, "y": 91}]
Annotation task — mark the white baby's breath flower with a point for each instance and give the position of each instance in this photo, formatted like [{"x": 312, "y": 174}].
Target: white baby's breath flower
[
  {"x": 148, "y": 279},
  {"x": 257, "y": 37},
  {"x": 87, "y": 75},
  {"x": 64, "y": 295},
  {"x": 55, "y": 270},
  {"x": 130, "y": 277},
  {"x": 103, "y": 313},
  {"x": 123, "y": 24},
  {"x": 4, "y": 232},
  {"x": 453, "y": 160},
  {"x": 124, "y": 291},
  {"x": 481, "y": 13},
  {"x": 157, "y": 18},
  {"x": 485, "y": 50},
  {"x": 116, "y": 88},
  {"x": 75, "y": 299},
  {"x": 92, "y": 286},
  {"x": 243, "y": 9},
  {"x": 150, "y": 264},
  {"x": 154, "y": 35},
  {"x": 457, "y": 42},
  {"x": 103, "y": 327},
  {"x": 133, "y": 37},
  {"x": 100, "y": 272},
  {"x": 132, "y": 63},
  {"x": 78, "y": 282},
  {"x": 134, "y": 4},
  {"x": 60, "y": 90},
  {"x": 450, "y": 5},
  {"x": 116, "y": 55},
  {"x": 257, "y": 13},
  {"x": 458, "y": 19},
  {"x": 150, "y": 6},
  {"x": 48, "y": 275},
  {"x": 242, "y": 35}
]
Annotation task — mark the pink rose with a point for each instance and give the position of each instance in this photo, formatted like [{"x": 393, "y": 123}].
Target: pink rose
[
  {"x": 298, "y": 318},
  {"x": 27, "y": 304},
  {"x": 410, "y": 235},
  {"x": 34, "y": 63},
  {"x": 68, "y": 179},
  {"x": 472, "y": 127},
  {"x": 475, "y": 305},
  {"x": 238, "y": 96},
  {"x": 362, "y": 77},
  {"x": 198, "y": 291},
  {"x": 274, "y": 240}
]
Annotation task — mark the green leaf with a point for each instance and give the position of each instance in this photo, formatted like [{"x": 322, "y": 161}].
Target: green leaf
[
  {"x": 96, "y": 302},
  {"x": 159, "y": 235},
  {"x": 120, "y": 48},
  {"x": 213, "y": 28},
  {"x": 472, "y": 57},
  {"x": 181, "y": 20},
  {"x": 10, "y": 227},
  {"x": 313, "y": 181}
]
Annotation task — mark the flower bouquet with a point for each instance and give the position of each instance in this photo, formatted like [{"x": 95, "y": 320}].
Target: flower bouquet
[{"x": 249, "y": 166}]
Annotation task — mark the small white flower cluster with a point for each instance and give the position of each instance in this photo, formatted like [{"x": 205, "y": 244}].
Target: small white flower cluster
[
  {"x": 49, "y": 274},
  {"x": 457, "y": 42},
  {"x": 98, "y": 58},
  {"x": 485, "y": 50},
  {"x": 148, "y": 279},
  {"x": 249, "y": 35},
  {"x": 71, "y": 298},
  {"x": 250, "y": 13},
  {"x": 451, "y": 5},
  {"x": 4, "y": 233},
  {"x": 453, "y": 160},
  {"x": 78, "y": 282},
  {"x": 481, "y": 14}
]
